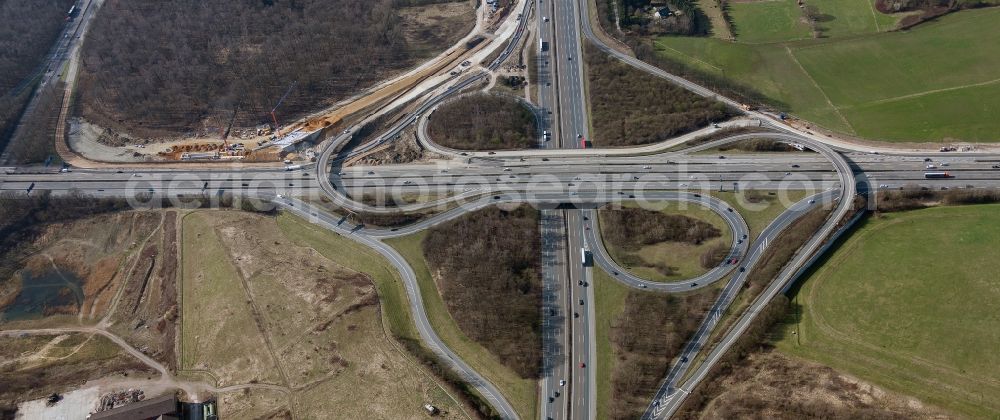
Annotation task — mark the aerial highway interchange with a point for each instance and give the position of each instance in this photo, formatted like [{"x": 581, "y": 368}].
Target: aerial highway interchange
[{"x": 569, "y": 183}]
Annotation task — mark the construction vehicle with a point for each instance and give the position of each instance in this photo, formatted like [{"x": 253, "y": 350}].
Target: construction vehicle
[{"x": 287, "y": 91}]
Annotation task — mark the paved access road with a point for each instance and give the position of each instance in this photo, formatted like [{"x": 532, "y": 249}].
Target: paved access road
[
  {"x": 737, "y": 226},
  {"x": 432, "y": 341}
]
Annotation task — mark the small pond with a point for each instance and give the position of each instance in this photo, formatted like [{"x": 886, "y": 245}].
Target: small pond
[{"x": 39, "y": 293}]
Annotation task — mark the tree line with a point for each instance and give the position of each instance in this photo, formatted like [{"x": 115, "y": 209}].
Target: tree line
[
  {"x": 30, "y": 28},
  {"x": 924, "y": 10},
  {"x": 686, "y": 18},
  {"x": 914, "y": 198},
  {"x": 36, "y": 139},
  {"x": 632, "y": 228}
]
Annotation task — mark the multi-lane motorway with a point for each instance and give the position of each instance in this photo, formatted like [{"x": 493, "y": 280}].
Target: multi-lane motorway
[
  {"x": 553, "y": 394},
  {"x": 564, "y": 68},
  {"x": 52, "y": 67},
  {"x": 665, "y": 171},
  {"x": 559, "y": 173}
]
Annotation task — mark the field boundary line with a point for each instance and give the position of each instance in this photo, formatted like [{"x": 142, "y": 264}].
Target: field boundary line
[
  {"x": 925, "y": 93},
  {"x": 820, "y": 89},
  {"x": 871, "y": 7},
  {"x": 688, "y": 56}
]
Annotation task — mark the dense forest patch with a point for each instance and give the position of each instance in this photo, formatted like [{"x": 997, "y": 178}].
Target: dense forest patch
[
  {"x": 488, "y": 269},
  {"x": 179, "y": 67},
  {"x": 483, "y": 122},
  {"x": 630, "y": 107}
]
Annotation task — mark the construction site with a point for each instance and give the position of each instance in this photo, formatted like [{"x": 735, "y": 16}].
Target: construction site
[{"x": 99, "y": 133}]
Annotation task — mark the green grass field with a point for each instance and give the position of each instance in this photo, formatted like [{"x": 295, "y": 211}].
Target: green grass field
[
  {"x": 852, "y": 17},
  {"x": 758, "y": 22},
  {"x": 760, "y": 214},
  {"x": 936, "y": 82},
  {"x": 908, "y": 302},
  {"x": 520, "y": 392},
  {"x": 720, "y": 29},
  {"x": 770, "y": 21}
]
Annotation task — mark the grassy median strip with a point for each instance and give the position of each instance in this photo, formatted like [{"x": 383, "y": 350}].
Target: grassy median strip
[
  {"x": 609, "y": 297},
  {"x": 758, "y": 207}
]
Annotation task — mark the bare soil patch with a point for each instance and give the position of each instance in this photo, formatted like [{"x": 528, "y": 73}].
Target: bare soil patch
[
  {"x": 316, "y": 324},
  {"x": 94, "y": 250},
  {"x": 431, "y": 28},
  {"x": 770, "y": 384}
]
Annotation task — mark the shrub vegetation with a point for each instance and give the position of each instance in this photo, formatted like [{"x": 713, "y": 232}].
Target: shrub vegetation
[
  {"x": 29, "y": 30},
  {"x": 156, "y": 67},
  {"x": 484, "y": 122},
  {"x": 648, "y": 334},
  {"x": 487, "y": 266},
  {"x": 630, "y": 107},
  {"x": 631, "y": 228}
]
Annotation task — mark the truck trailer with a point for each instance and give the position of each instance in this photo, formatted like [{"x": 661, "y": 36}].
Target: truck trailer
[{"x": 937, "y": 175}]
